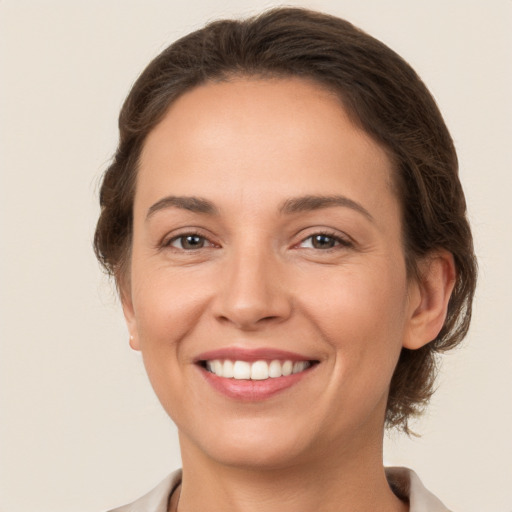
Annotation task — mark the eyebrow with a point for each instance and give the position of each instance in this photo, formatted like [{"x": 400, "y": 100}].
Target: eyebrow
[
  {"x": 193, "y": 204},
  {"x": 317, "y": 202},
  {"x": 288, "y": 207}
]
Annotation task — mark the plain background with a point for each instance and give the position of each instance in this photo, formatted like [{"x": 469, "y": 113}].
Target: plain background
[{"x": 80, "y": 428}]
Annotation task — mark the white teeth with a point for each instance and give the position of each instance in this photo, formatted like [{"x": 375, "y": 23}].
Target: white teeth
[
  {"x": 241, "y": 370},
  {"x": 274, "y": 369},
  {"x": 287, "y": 368},
  {"x": 217, "y": 368},
  {"x": 258, "y": 370},
  {"x": 227, "y": 369},
  {"x": 299, "y": 366}
]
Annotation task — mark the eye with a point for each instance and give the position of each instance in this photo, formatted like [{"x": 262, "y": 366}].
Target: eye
[
  {"x": 323, "y": 241},
  {"x": 188, "y": 242}
]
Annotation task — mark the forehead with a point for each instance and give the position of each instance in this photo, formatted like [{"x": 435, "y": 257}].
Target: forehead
[
  {"x": 257, "y": 108},
  {"x": 239, "y": 135}
]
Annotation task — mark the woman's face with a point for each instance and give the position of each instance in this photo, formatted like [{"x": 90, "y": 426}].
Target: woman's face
[{"x": 266, "y": 229}]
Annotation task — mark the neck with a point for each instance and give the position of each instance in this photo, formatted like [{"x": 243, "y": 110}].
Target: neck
[{"x": 341, "y": 481}]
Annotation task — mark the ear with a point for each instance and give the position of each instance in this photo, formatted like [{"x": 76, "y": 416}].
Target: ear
[
  {"x": 429, "y": 296},
  {"x": 125, "y": 295}
]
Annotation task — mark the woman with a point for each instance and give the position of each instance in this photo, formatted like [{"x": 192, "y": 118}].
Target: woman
[{"x": 286, "y": 227}]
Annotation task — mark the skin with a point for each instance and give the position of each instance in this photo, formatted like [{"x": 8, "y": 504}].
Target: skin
[{"x": 248, "y": 146}]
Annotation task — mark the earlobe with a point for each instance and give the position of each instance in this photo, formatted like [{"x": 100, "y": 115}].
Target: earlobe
[
  {"x": 129, "y": 315},
  {"x": 134, "y": 344},
  {"x": 429, "y": 299}
]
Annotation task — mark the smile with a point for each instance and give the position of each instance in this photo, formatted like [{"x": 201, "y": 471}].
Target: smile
[
  {"x": 256, "y": 370},
  {"x": 254, "y": 374}
]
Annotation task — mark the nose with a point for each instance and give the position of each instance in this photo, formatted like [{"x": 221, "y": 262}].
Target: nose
[{"x": 253, "y": 291}]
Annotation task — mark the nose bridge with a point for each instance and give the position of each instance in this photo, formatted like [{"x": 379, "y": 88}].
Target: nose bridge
[{"x": 252, "y": 290}]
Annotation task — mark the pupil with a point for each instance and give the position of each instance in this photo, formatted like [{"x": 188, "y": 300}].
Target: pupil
[
  {"x": 193, "y": 241},
  {"x": 323, "y": 241}
]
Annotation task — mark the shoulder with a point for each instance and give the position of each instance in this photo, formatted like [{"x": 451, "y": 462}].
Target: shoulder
[
  {"x": 406, "y": 484},
  {"x": 155, "y": 500}
]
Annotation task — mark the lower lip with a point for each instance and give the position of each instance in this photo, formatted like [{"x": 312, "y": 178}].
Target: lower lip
[{"x": 253, "y": 390}]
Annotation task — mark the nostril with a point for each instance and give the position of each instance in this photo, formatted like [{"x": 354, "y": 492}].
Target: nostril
[
  {"x": 268, "y": 318},
  {"x": 253, "y": 323}
]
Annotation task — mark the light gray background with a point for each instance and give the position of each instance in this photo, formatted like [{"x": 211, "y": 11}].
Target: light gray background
[{"x": 80, "y": 428}]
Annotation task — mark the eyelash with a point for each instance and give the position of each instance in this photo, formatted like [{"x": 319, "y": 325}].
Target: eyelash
[
  {"x": 339, "y": 241},
  {"x": 182, "y": 236}
]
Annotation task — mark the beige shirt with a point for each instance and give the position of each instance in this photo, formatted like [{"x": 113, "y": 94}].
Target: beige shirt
[{"x": 404, "y": 481}]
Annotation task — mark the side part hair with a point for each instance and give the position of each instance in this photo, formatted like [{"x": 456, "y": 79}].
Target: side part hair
[{"x": 380, "y": 92}]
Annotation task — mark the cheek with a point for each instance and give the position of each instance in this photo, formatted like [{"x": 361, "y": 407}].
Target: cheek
[
  {"x": 167, "y": 309},
  {"x": 170, "y": 308},
  {"x": 359, "y": 300},
  {"x": 362, "y": 315},
  {"x": 166, "y": 304}
]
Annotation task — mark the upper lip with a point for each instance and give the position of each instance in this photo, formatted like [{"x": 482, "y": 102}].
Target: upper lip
[{"x": 251, "y": 354}]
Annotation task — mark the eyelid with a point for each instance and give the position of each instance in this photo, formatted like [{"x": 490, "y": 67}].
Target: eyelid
[
  {"x": 167, "y": 241},
  {"x": 340, "y": 239}
]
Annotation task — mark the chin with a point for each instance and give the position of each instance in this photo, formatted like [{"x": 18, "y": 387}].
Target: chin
[{"x": 259, "y": 445}]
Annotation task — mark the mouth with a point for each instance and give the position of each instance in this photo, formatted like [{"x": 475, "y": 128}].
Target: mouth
[
  {"x": 253, "y": 374},
  {"x": 255, "y": 370}
]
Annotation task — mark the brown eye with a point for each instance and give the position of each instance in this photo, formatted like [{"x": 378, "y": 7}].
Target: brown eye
[
  {"x": 324, "y": 241},
  {"x": 188, "y": 242}
]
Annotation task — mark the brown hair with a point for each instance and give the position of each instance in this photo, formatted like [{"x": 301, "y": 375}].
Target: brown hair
[{"x": 380, "y": 92}]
